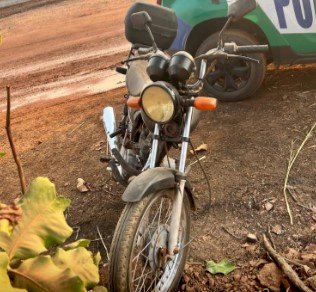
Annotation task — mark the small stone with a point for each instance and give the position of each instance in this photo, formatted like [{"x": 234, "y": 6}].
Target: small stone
[
  {"x": 268, "y": 206},
  {"x": 252, "y": 238},
  {"x": 82, "y": 186},
  {"x": 292, "y": 253},
  {"x": 277, "y": 229},
  {"x": 314, "y": 217}
]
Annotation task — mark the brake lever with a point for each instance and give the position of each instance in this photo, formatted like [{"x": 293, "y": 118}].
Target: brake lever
[
  {"x": 221, "y": 54},
  {"x": 145, "y": 57},
  {"x": 243, "y": 58}
]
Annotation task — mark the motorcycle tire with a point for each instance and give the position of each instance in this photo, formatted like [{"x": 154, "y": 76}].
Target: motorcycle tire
[
  {"x": 234, "y": 80},
  {"x": 133, "y": 235}
]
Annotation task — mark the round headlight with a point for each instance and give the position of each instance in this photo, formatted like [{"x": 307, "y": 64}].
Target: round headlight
[{"x": 159, "y": 102}]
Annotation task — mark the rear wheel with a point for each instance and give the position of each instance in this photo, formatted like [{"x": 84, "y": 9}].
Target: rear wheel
[
  {"x": 139, "y": 259},
  {"x": 233, "y": 80}
]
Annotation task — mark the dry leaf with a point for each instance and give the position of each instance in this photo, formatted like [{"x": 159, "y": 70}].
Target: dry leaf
[
  {"x": 99, "y": 146},
  {"x": 202, "y": 147},
  {"x": 82, "y": 186},
  {"x": 292, "y": 253},
  {"x": 271, "y": 277},
  {"x": 11, "y": 212},
  {"x": 251, "y": 248},
  {"x": 252, "y": 238},
  {"x": 311, "y": 248}
]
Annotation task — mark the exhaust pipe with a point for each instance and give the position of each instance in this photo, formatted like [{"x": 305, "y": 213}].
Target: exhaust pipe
[{"x": 110, "y": 127}]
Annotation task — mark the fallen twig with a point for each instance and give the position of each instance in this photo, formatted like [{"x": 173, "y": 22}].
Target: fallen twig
[
  {"x": 110, "y": 193},
  {"x": 9, "y": 134},
  {"x": 231, "y": 234},
  {"x": 292, "y": 159},
  {"x": 76, "y": 127},
  {"x": 285, "y": 267},
  {"x": 101, "y": 238},
  {"x": 291, "y": 191},
  {"x": 270, "y": 236}
]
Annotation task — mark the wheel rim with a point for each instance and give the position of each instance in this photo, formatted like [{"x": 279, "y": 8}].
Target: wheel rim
[
  {"x": 148, "y": 270},
  {"x": 228, "y": 76}
]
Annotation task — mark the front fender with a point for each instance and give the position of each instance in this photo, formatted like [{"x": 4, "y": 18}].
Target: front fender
[{"x": 154, "y": 180}]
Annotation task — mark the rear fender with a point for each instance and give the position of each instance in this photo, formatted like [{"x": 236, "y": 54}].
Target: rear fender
[{"x": 154, "y": 180}]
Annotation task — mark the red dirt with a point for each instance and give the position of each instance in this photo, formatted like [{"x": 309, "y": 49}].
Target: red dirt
[{"x": 249, "y": 145}]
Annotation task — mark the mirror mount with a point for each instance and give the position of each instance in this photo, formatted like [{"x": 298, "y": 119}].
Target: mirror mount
[
  {"x": 141, "y": 20},
  {"x": 220, "y": 44},
  {"x": 236, "y": 11}
]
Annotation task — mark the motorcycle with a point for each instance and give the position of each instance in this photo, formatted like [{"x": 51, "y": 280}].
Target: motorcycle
[{"x": 162, "y": 108}]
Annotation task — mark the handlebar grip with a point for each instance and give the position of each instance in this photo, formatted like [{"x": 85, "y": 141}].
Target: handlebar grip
[
  {"x": 252, "y": 49},
  {"x": 143, "y": 51}
]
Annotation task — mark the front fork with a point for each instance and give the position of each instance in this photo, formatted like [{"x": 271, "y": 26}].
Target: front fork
[{"x": 173, "y": 247}]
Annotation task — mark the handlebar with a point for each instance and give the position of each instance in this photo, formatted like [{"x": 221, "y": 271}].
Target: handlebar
[
  {"x": 234, "y": 48},
  {"x": 229, "y": 51}
]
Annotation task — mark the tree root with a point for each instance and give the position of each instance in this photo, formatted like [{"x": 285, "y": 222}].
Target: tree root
[{"x": 285, "y": 267}]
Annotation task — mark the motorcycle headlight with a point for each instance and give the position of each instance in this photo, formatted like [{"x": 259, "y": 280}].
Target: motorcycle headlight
[{"x": 159, "y": 102}]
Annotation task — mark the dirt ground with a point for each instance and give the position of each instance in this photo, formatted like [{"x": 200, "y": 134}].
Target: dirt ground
[
  {"x": 249, "y": 146},
  {"x": 65, "y": 48}
]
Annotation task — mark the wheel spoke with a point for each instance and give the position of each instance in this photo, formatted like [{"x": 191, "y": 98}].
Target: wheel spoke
[
  {"x": 212, "y": 77},
  {"x": 240, "y": 71},
  {"x": 160, "y": 211},
  {"x": 141, "y": 276},
  {"x": 137, "y": 256},
  {"x": 168, "y": 213},
  {"x": 146, "y": 271},
  {"x": 229, "y": 83},
  {"x": 152, "y": 282}
]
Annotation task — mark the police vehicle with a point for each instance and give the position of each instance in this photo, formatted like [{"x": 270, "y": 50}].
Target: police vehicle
[{"x": 288, "y": 26}]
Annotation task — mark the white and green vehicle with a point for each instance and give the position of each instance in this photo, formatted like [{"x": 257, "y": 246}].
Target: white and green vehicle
[{"x": 287, "y": 26}]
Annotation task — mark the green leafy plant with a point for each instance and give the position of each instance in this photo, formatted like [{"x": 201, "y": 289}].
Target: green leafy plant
[
  {"x": 28, "y": 232},
  {"x": 224, "y": 267},
  {"x": 2, "y": 154}
]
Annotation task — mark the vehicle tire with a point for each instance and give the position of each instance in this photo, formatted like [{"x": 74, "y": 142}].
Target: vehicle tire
[
  {"x": 233, "y": 80},
  {"x": 133, "y": 237}
]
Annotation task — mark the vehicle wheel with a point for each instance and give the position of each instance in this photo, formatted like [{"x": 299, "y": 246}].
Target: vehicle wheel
[
  {"x": 138, "y": 259},
  {"x": 233, "y": 80}
]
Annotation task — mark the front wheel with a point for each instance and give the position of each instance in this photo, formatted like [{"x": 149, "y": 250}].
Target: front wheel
[
  {"x": 138, "y": 260},
  {"x": 233, "y": 79}
]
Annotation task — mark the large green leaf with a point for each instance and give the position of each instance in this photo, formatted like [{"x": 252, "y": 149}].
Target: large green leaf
[
  {"x": 5, "y": 284},
  {"x": 80, "y": 261},
  {"x": 76, "y": 244},
  {"x": 99, "y": 289},
  {"x": 224, "y": 267},
  {"x": 41, "y": 274},
  {"x": 42, "y": 224},
  {"x": 6, "y": 227}
]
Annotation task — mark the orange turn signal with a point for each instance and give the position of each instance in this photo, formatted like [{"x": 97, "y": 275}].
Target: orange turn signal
[
  {"x": 134, "y": 102},
  {"x": 205, "y": 103}
]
